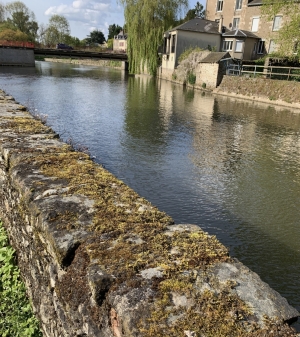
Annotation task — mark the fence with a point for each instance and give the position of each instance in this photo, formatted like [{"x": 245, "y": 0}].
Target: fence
[
  {"x": 273, "y": 72},
  {"x": 18, "y": 44}
]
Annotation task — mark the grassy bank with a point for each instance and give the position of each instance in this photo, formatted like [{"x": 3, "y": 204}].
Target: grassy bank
[{"x": 16, "y": 315}]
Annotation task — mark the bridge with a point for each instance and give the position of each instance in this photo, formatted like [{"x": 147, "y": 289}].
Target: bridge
[
  {"x": 22, "y": 53},
  {"x": 81, "y": 54}
]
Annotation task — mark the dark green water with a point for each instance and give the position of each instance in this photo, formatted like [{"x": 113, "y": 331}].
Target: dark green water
[{"x": 231, "y": 167}]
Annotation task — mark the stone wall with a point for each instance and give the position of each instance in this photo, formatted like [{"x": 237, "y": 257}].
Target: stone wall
[
  {"x": 87, "y": 62},
  {"x": 261, "y": 89},
  {"x": 16, "y": 57},
  {"x": 99, "y": 260}
]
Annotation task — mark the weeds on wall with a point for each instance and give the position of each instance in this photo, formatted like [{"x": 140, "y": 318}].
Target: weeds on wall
[
  {"x": 191, "y": 78},
  {"x": 187, "y": 52},
  {"x": 16, "y": 315}
]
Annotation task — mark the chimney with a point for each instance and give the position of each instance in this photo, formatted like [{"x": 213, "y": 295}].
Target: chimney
[{"x": 220, "y": 24}]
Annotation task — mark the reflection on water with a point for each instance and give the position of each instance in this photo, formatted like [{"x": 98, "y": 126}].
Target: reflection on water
[{"x": 232, "y": 167}]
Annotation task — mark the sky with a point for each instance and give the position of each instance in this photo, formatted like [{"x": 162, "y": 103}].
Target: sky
[{"x": 84, "y": 16}]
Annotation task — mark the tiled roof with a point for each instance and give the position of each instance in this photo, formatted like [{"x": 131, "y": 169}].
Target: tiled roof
[
  {"x": 239, "y": 33},
  {"x": 215, "y": 57},
  {"x": 199, "y": 25}
]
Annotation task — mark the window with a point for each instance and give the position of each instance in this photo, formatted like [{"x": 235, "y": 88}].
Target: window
[
  {"x": 272, "y": 46},
  {"x": 255, "y": 23},
  {"x": 227, "y": 45},
  {"x": 239, "y": 45},
  {"x": 277, "y": 22},
  {"x": 219, "y": 5},
  {"x": 173, "y": 43},
  {"x": 235, "y": 23},
  {"x": 238, "y": 4},
  {"x": 261, "y": 47}
]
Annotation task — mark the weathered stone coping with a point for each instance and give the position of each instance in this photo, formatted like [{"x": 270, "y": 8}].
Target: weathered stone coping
[{"x": 99, "y": 260}]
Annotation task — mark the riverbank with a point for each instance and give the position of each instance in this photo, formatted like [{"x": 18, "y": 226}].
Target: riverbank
[
  {"x": 103, "y": 260},
  {"x": 274, "y": 92},
  {"x": 87, "y": 62}
]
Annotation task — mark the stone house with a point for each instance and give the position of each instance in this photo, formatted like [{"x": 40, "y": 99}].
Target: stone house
[
  {"x": 120, "y": 42},
  {"x": 245, "y": 15},
  {"x": 197, "y": 32}
]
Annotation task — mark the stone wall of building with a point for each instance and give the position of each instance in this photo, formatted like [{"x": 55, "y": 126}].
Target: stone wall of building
[{"x": 99, "y": 260}]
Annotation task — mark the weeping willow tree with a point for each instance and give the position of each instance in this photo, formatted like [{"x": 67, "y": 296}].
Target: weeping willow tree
[
  {"x": 146, "y": 21},
  {"x": 288, "y": 37}
]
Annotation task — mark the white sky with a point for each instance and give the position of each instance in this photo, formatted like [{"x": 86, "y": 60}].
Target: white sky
[{"x": 83, "y": 15}]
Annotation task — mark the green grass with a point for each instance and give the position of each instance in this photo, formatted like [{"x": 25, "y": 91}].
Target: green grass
[{"x": 16, "y": 315}]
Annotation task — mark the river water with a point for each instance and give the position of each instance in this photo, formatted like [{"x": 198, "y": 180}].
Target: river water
[{"x": 230, "y": 166}]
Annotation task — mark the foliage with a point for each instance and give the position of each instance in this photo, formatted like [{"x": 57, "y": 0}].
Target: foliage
[
  {"x": 191, "y": 78},
  {"x": 113, "y": 30},
  {"x": 16, "y": 316},
  {"x": 110, "y": 43},
  {"x": 57, "y": 31},
  {"x": 2, "y": 12},
  {"x": 287, "y": 40},
  {"x": 13, "y": 35},
  {"x": 22, "y": 18},
  {"x": 146, "y": 22},
  {"x": 74, "y": 41},
  {"x": 197, "y": 12},
  {"x": 187, "y": 52},
  {"x": 96, "y": 36}
]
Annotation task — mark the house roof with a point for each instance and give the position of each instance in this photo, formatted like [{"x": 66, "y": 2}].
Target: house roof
[
  {"x": 215, "y": 57},
  {"x": 254, "y": 3},
  {"x": 199, "y": 25},
  {"x": 239, "y": 33}
]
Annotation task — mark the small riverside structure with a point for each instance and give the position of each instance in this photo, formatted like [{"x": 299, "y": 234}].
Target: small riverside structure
[{"x": 99, "y": 260}]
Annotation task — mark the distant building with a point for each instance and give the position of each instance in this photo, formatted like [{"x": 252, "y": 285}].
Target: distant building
[{"x": 120, "y": 42}]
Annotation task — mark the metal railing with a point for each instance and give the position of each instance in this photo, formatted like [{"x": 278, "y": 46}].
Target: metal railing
[{"x": 273, "y": 72}]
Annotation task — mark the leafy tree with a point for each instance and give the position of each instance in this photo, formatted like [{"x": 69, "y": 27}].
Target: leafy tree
[
  {"x": 2, "y": 12},
  {"x": 74, "y": 41},
  {"x": 146, "y": 22},
  {"x": 58, "y": 30},
  {"x": 113, "y": 30},
  {"x": 288, "y": 37},
  {"x": 96, "y": 36},
  {"x": 21, "y": 17}
]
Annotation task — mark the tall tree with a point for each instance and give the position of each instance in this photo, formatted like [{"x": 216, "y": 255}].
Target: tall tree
[
  {"x": 146, "y": 22},
  {"x": 197, "y": 12},
  {"x": 58, "y": 29},
  {"x": 96, "y": 36},
  {"x": 288, "y": 37},
  {"x": 113, "y": 30},
  {"x": 21, "y": 17},
  {"x": 2, "y": 12}
]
